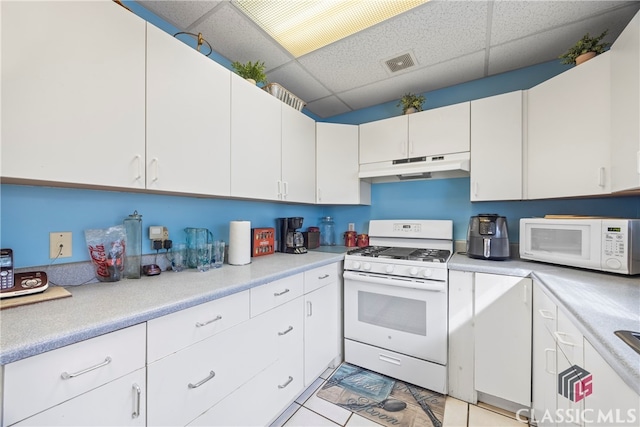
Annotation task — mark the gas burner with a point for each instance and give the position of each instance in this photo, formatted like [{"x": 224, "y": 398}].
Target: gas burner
[
  {"x": 430, "y": 255},
  {"x": 370, "y": 251},
  {"x": 413, "y": 254}
]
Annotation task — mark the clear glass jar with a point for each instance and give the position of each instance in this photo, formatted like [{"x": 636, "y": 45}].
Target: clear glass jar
[
  {"x": 327, "y": 231},
  {"x": 133, "y": 248}
]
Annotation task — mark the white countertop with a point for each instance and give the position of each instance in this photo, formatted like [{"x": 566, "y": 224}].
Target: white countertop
[
  {"x": 98, "y": 308},
  {"x": 598, "y": 304}
]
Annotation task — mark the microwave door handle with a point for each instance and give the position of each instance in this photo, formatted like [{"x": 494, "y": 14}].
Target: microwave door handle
[{"x": 487, "y": 248}]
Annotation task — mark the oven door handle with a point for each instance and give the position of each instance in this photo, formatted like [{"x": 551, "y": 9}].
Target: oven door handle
[{"x": 425, "y": 285}]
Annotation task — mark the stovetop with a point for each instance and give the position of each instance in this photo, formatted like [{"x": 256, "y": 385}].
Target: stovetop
[{"x": 411, "y": 254}]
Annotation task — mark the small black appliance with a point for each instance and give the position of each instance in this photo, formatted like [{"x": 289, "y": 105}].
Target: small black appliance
[
  {"x": 487, "y": 237},
  {"x": 290, "y": 240}
]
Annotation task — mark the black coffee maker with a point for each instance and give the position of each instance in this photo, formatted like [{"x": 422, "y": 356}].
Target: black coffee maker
[{"x": 290, "y": 240}]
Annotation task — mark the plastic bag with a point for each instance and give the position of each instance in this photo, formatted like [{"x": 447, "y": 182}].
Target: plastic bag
[{"x": 107, "y": 250}]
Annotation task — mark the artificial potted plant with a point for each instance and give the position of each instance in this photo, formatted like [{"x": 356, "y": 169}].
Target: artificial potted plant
[
  {"x": 584, "y": 49},
  {"x": 252, "y": 71},
  {"x": 411, "y": 103}
]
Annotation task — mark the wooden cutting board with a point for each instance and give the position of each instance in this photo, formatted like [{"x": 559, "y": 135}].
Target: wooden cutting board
[{"x": 53, "y": 292}]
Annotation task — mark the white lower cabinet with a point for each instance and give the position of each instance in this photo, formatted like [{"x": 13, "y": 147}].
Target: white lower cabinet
[
  {"x": 118, "y": 403},
  {"x": 503, "y": 347},
  {"x": 88, "y": 371}
]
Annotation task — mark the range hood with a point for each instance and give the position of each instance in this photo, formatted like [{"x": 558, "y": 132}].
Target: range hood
[{"x": 454, "y": 165}]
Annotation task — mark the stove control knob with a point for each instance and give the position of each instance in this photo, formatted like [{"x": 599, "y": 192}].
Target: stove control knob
[
  {"x": 356, "y": 265},
  {"x": 427, "y": 272},
  {"x": 413, "y": 271},
  {"x": 366, "y": 266},
  {"x": 389, "y": 269}
]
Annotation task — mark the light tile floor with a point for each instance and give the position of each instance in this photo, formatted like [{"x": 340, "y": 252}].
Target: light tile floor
[{"x": 308, "y": 410}]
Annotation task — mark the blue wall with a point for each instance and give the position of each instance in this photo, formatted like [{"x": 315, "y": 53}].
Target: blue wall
[{"x": 30, "y": 213}]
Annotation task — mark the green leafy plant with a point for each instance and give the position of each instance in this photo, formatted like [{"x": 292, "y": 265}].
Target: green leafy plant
[
  {"x": 410, "y": 100},
  {"x": 251, "y": 70},
  {"x": 584, "y": 45}
]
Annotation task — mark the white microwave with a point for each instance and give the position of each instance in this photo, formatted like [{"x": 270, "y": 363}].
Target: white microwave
[{"x": 605, "y": 244}]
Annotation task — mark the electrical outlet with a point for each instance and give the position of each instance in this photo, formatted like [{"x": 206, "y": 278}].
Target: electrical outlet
[
  {"x": 158, "y": 233},
  {"x": 60, "y": 238}
]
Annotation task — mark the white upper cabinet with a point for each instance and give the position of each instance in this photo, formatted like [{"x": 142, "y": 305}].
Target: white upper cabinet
[
  {"x": 337, "y": 166},
  {"x": 298, "y": 156},
  {"x": 433, "y": 132},
  {"x": 496, "y": 147},
  {"x": 569, "y": 133},
  {"x": 188, "y": 118},
  {"x": 625, "y": 108},
  {"x": 443, "y": 130},
  {"x": 384, "y": 140},
  {"x": 73, "y": 110},
  {"x": 256, "y": 132}
]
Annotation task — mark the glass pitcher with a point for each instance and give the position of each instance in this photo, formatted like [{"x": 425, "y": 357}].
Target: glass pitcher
[{"x": 198, "y": 241}]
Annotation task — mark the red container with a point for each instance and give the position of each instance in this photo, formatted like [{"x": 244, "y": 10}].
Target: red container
[
  {"x": 350, "y": 239},
  {"x": 363, "y": 240},
  {"x": 262, "y": 241}
]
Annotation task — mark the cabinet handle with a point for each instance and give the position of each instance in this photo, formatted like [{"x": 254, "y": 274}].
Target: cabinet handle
[
  {"x": 277, "y": 294},
  {"x": 199, "y": 324},
  {"x": 285, "y": 185},
  {"x": 286, "y": 383},
  {"x": 66, "y": 375},
  {"x": 546, "y": 314},
  {"x": 279, "y": 189},
  {"x": 638, "y": 161},
  {"x": 546, "y": 360},
  {"x": 403, "y": 148},
  {"x": 155, "y": 162},
  {"x": 475, "y": 188},
  {"x": 139, "y": 162},
  {"x": 525, "y": 296},
  {"x": 198, "y": 384},
  {"x": 559, "y": 336},
  {"x": 289, "y": 329},
  {"x": 389, "y": 359},
  {"x": 601, "y": 177},
  {"x": 323, "y": 277},
  {"x": 309, "y": 309},
  {"x": 136, "y": 402},
  {"x": 320, "y": 193}
]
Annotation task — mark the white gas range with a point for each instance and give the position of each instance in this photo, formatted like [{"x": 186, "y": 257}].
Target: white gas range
[{"x": 395, "y": 301}]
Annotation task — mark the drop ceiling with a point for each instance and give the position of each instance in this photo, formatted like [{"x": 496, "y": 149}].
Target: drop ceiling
[{"x": 451, "y": 42}]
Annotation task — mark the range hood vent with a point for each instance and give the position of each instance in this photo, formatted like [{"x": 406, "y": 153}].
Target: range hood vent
[{"x": 454, "y": 165}]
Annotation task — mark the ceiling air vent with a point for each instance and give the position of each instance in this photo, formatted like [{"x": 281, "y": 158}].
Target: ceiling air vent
[{"x": 402, "y": 62}]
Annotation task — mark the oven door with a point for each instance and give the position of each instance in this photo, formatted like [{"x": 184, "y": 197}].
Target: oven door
[{"x": 401, "y": 315}]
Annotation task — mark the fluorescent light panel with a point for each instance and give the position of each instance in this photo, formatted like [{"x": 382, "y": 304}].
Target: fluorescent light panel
[{"x": 302, "y": 26}]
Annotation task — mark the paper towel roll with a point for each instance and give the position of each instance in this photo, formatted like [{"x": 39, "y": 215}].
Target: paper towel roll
[{"x": 239, "y": 242}]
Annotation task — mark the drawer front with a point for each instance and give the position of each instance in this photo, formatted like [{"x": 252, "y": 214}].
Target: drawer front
[
  {"x": 285, "y": 324},
  {"x": 118, "y": 403},
  {"x": 270, "y": 392},
  {"x": 266, "y": 297},
  {"x": 42, "y": 381},
  {"x": 168, "y": 334},
  {"x": 544, "y": 309},
  {"x": 569, "y": 340},
  {"x": 318, "y": 277},
  {"x": 185, "y": 384}
]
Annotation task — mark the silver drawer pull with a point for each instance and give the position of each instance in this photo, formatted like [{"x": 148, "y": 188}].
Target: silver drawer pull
[
  {"x": 277, "y": 294},
  {"x": 546, "y": 314},
  {"x": 136, "y": 403},
  {"x": 287, "y": 331},
  {"x": 287, "y": 383},
  {"x": 66, "y": 375},
  {"x": 559, "y": 337},
  {"x": 199, "y": 324},
  {"x": 323, "y": 277},
  {"x": 196, "y": 385}
]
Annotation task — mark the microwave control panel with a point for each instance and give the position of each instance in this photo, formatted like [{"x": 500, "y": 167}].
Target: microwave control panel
[{"x": 614, "y": 249}]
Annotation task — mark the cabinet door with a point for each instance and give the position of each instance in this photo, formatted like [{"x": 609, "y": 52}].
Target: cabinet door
[
  {"x": 569, "y": 133},
  {"x": 612, "y": 402},
  {"x": 298, "y": 156},
  {"x": 255, "y": 142},
  {"x": 321, "y": 330},
  {"x": 544, "y": 372},
  {"x": 503, "y": 348},
  {"x": 188, "y": 118},
  {"x": 73, "y": 111},
  {"x": 118, "y": 403},
  {"x": 384, "y": 140},
  {"x": 496, "y": 147},
  {"x": 625, "y": 108},
  {"x": 442, "y": 130},
  {"x": 337, "y": 166}
]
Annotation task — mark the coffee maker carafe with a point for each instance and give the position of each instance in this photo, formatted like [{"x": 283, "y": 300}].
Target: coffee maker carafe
[{"x": 290, "y": 240}]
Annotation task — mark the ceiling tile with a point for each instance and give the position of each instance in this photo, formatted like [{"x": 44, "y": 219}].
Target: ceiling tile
[
  {"x": 237, "y": 38},
  {"x": 180, "y": 13},
  {"x": 327, "y": 107},
  {"x": 515, "y": 19},
  {"x": 297, "y": 80}
]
